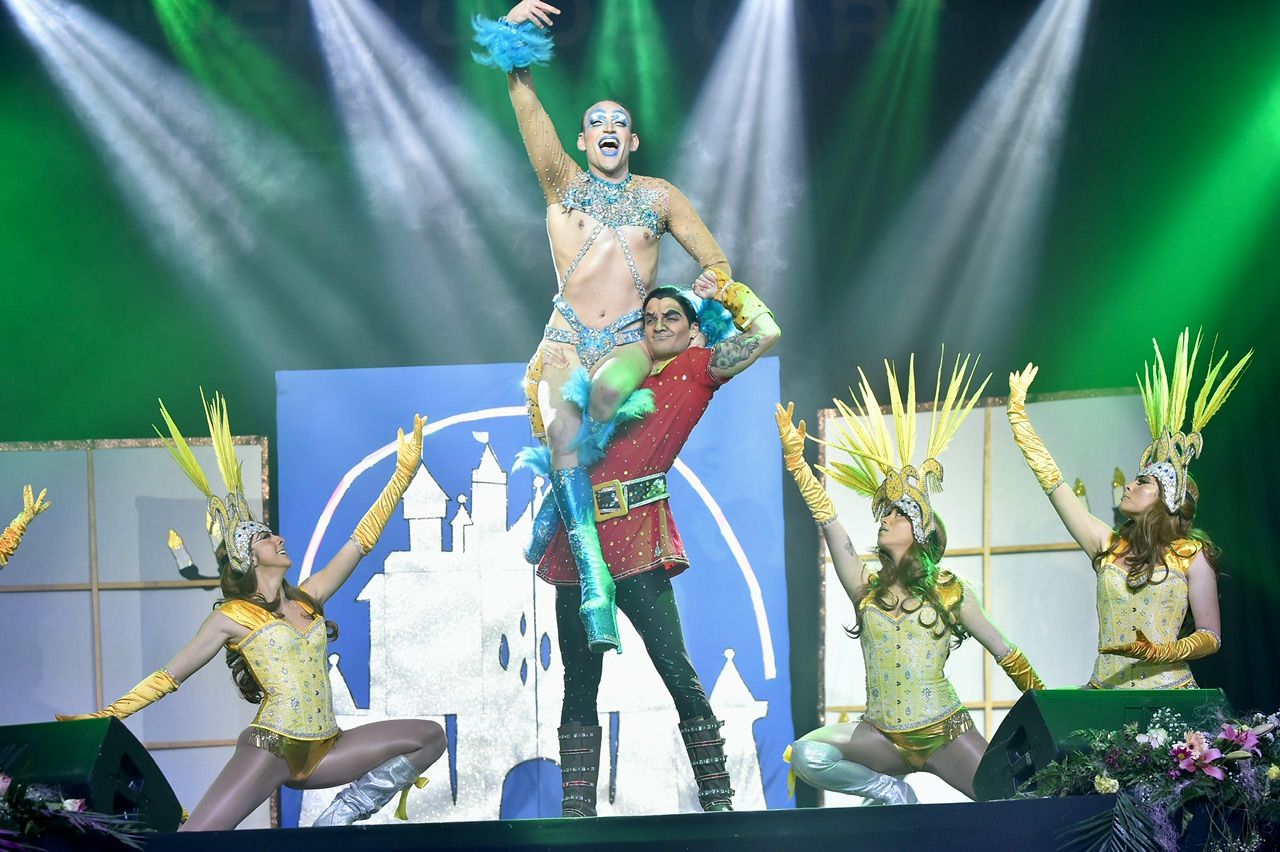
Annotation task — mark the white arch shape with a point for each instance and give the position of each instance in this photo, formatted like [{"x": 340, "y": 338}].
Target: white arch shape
[{"x": 722, "y": 523}]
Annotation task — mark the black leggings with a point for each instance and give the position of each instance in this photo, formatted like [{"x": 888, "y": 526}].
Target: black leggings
[{"x": 650, "y": 605}]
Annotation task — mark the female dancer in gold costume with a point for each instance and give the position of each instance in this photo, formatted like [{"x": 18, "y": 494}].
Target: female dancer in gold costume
[
  {"x": 1157, "y": 566},
  {"x": 276, "y": 639},
  {"x": 910, "y": 613}
]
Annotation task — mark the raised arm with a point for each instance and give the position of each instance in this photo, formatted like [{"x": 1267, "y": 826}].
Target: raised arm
[
  {"x": 691, "y": 232},
  {"x": 850, "y": 570},
  {"x": 1092, "y": 533},
  {"x": 750, "y": 316},
  {"x": 12, "y": 535},
  {"x": 216, "y": 630},
  {"x": 973, "y": 618},
  {"x": 552, "y": 164},
  {"x": 324, "y": 583}
]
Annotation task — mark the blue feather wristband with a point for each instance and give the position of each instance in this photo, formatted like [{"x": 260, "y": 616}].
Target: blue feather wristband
[{"x": 508, "y": 46}]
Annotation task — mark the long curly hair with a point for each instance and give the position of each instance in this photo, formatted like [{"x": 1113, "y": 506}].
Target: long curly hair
[
  {"x": 1149, "y": 535},
  {"x": 919, "y": 573},
  {"x": 244, "y": 587}
]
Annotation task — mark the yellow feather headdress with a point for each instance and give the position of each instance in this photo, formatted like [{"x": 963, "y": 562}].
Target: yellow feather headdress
[
  {"x": 1164, "y": 399},
  {"x": 863, "y": 434},
  {"x": 229, "y": 519}
]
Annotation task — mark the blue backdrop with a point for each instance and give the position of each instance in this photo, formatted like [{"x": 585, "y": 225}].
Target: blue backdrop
[{"x": 329, "y": 421}]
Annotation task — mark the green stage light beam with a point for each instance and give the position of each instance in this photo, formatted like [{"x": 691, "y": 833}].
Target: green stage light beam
[
  {"x": 246, "y": 77},
  {"x": 630, "y": 63},
  {"x": 883, "y": 129},
  {"x": 961, "y": 255},
  {"x": 219, "y": 199}
]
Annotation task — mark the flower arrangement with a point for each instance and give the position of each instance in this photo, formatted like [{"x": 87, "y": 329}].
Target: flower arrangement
[
  {"x": 1170, "y": 775},
  {"x": 29, "y": 810}
]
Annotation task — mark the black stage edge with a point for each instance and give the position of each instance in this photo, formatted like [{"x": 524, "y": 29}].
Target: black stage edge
[{"x": 1009, "y": 826}]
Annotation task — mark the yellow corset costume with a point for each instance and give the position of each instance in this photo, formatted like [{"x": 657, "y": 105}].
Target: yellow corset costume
[
  {"x": 295, "y": 720},
  {"x": 1157, "y": 609},
  {"x": 906, "y": 687}
]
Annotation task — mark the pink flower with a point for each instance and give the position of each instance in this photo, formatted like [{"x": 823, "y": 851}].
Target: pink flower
[
  {"x": 1246, "y": 739},
  {"x": 5, "y": 781},
  {"x": 1190, "y": 762},
  {"x": 1195, "y": 743},
  {"x": 76, "y": 805}
]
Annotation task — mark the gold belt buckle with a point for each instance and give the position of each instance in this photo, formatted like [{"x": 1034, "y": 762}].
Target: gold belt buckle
[{"x": 620, "y": 494}]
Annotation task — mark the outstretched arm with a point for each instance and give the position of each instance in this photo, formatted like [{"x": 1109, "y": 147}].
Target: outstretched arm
[
  {"x": 324, "y": 583},
  {"x": 216, "y": 630},
  {"x": 850, "y": 569},
  {"x": 1092, "y": 533},
  {"x": 12, "y": 535},
  {"x": 737, "y": 353},
  {"x": 691, "y": 232},
  {"x": 973, "y": 618}
]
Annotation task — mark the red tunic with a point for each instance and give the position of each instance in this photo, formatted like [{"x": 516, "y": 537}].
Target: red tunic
[{"x": 646, "y": 538}]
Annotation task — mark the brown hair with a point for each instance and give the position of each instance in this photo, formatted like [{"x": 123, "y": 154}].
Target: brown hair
[
  {"x": 1149, "y": 535},
  {"x": 244, "y": 587},
  {"x": 917, "y": 571}
]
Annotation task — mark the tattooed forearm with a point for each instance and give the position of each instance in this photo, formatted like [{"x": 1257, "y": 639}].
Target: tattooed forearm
[{"x": 733, "y": 352}]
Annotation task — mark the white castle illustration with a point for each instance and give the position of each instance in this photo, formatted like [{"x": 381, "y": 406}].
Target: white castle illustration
[{"x": 467, "y": 637}]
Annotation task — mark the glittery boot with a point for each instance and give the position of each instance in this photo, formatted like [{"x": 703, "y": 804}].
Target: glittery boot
[
  {"x": 599, "y": 614},
  {"x": 366, "y": 795},
  {"x": 822, "y": 766}
]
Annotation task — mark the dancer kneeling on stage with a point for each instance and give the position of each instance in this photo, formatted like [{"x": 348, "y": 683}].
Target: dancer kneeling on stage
[
  {"x": 1156, "y": 575},
  {"x": 276, "y": 640},
  {"x": 910, "y": 613},
  {"x": 639, "y": 539}
]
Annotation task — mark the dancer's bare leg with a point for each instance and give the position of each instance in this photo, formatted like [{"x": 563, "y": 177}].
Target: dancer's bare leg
[
  {"x": 368, "y": 746},
  {"x": 862, "y": 743},
  {"x": 957, "y": 761},
  {"x": 245, "y": 782},
  {"x": 616, "y": 378}
]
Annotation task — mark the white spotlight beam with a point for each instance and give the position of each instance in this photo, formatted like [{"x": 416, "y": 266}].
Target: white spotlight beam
[
  {"x": 450, "y": 197},
  {"x": 741, "y": 157},
  {"x": 966, "y": 244},
  {"x": 199, "y": 179}
]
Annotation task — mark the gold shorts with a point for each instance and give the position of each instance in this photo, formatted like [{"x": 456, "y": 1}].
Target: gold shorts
[
  {"x": 303, "y": 756},
  {"x": 917, "y": 745}
]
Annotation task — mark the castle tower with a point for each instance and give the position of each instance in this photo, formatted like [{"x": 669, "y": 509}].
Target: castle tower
[{"x": 424, "y": 508}]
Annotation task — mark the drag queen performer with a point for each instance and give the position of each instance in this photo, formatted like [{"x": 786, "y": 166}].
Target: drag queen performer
[
  {"x": 604, "y": 226},
  {"x": 910, "y": 613},
  {"x": 276, "y": 638},
  {"x": 639, "y": 537},
  {"x": 12, "y": 535},
  {"x": 1157, "y": 565}
]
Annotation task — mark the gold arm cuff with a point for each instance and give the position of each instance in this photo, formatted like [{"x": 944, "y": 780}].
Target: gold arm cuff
[
  {"x": 1019, "y": 670},
  {"x": 740, "y": 301}
]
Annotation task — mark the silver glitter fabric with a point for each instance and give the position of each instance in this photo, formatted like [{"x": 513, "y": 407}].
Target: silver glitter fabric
[
  {"x": 1164, "y": 473},
  {"x": 911, "y": 509},
  {"x": 593, "y": 344},
  {"x": 630, "y": 202}
]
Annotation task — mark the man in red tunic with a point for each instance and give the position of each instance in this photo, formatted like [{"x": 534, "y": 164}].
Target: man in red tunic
[{"x": 640, "y": 542}]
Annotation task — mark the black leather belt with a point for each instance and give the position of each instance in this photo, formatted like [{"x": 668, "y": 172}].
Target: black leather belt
[{"x": 616, "y": 498}]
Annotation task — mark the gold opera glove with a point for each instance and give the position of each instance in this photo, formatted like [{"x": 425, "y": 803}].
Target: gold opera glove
[
  {"x": 12, "y": 536},
  {"x": 738, "y": 299},
  {"x": 1202, "y": 643},
  {"x": 1019, "y": 670},
  {"x": 815, "y": 496},
  {"x": 1024, "y": 434},
  {"x": 155, "y": 686},
  {"x": 408, "y": 459}
]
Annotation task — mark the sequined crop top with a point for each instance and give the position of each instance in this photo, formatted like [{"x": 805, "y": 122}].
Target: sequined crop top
[
  {"x": 906, "y": 686},
  {"x": 291, "y": 667},
  {"x": 1157, "y": 609}
]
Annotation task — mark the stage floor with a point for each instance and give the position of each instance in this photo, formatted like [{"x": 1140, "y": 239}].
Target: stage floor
[{"x": 1033, "y": 824}]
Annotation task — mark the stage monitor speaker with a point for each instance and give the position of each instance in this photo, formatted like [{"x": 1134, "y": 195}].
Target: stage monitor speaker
[
  {"x": 98, "y": 760},
  {"x": 1039, "y": 728}
]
